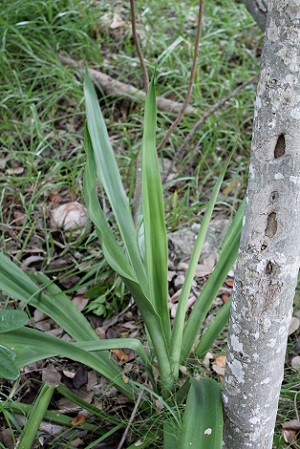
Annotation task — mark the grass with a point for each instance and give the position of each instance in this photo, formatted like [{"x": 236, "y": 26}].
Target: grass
[{"x": 41, "y": 131}]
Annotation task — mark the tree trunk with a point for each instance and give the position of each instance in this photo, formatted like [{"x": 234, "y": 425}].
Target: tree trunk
[
  {"x": 268, "y": 261},
  {"x": 258, "y": 10}
]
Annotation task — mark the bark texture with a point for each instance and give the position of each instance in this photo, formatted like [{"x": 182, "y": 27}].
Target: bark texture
[
  {"x": 258, "y": 9},
  {"x": 268, "y": 261}
]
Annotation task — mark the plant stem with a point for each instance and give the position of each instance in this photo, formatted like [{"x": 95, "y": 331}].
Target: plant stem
[{"x": 191, "y": 80}]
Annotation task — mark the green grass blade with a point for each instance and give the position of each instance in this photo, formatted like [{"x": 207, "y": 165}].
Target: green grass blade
[
  {"x": 20, "y": 408},
  {"x": 156, "y": 245},
  {"x": 179, "y": 322},
  {"x": 35, "y": 417},
  {"x": 31, "y": 345},
  {"x": 213, "y": 330},
  {"x": 227, "y": 258},
  {"x": 203, "y": 417},
  {"x": 109, "y": 176}
]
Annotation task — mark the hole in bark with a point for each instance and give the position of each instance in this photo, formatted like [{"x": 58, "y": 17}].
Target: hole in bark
[
  {"x": 269, "y": 268},
  {"x": 280, "y": 147},
  {"x": 263, "y": 247},
  {"x": 274, "y": 195},
  {"x": 271, "y": 228}
]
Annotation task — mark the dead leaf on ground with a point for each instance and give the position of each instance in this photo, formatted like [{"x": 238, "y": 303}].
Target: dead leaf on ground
[
  {"x": 51, "y": 376},
  {"x": 294, "y": 424},
  {"x": 296, "y": 363},
  {"x": 80, "y": 419},
  {"x": 120, "y": 354},
  {"x": 289, "y": 435},
  {"x": 294, "y": 325},
  {"x": 219, "y": 365}
]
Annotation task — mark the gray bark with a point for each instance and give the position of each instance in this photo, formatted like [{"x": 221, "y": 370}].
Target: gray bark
[
  {"x": 268, "y": 261},
  {"x": 258, "y": 9}
]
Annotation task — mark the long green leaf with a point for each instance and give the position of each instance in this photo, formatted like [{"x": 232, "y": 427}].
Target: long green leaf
[
  {"x": 178, "y": 329},
  {"x": 213, "y": 330},
  {"x": 35, "y": 417},
  {"x": 202, "y": 305},
  {"x": 52, "y": 301},
  {"x": 120, "y": 264},
  {"x": 156, "y": 244},
  {"x": 31, "y": 345},
  {"x": 120, "y": 343},
  {"x": 203, "y": 417},
  {"x": 109, "y": 176},
  {"x": 20, "y": 408},
  {"x": 112, "y": 250}
]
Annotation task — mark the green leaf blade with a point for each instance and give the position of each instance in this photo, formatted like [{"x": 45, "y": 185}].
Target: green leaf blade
[
  {"x": 178, "y": 343},
  {"x": 8, "y": 367},
  {"x": 203, "y": 303},
  {"x": 109, "y": 176},
  {"x": 203, "y": 417},
  {"x": 11, "y": 319},
  {"x": 153, "y": 214}
]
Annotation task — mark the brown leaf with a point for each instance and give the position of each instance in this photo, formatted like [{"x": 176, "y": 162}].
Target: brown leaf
[
  {"x": 229, "y": 282},
  {"x": 219, "y": 365},
  {"x": 51, "y": 376},
  {"x": 125, "y": 379},
  {"x": 230, "y": 188},
  {"x": 294, "y": 325},
  {"x": 15, "y": 171},
  {"x": 120, "y": 354},
  {"x": 294, "y": 424},
  {"x": 289, "y": 435},
  {"x": 296, "y": 363},
  {"x": 221, "y": 361},
  {"x": 80, "y": 419},
  {"x": 225, "y": 298},
  {"x": 80, "y": 301}
]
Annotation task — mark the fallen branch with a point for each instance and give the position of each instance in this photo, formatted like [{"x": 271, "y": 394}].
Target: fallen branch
[{"x": 114, "y": 87}]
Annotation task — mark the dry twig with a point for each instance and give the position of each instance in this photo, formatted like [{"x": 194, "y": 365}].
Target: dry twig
[
  {"x": 114, "y": 87},
  {"x": 131, "y": 419},
  {"x": 191, "y": 80},
  {"x": 137, "y": 44}
]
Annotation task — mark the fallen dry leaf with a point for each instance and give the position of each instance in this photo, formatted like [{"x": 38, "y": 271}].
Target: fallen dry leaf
[
  {"x": 230, "y": 188},
  {"x": 296, "y": 363},
  {"x": 51, "y": 376},
  {"x": 294, "y": 424},
  {"x": 69, "y": 217},
  {"x": 80, "y": 419},
  {"x": 125, "y": 379},
  {"x": 219, "y": 365},
  {"x": 120, "y": 354},
  {"x": 229, "y": 282},
  {"x": 15, "y": 171},
  {"x": 289, "y": 435},
  {"x": 294, "y": 325}
]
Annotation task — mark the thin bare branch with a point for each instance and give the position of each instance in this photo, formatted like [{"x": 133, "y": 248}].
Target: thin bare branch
[
  {"x": 131, "y": 419},
  {"x": 191, "y": 80},
  {"x": 203, "y": 119},
  {"x": 137, "y": 44}
]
